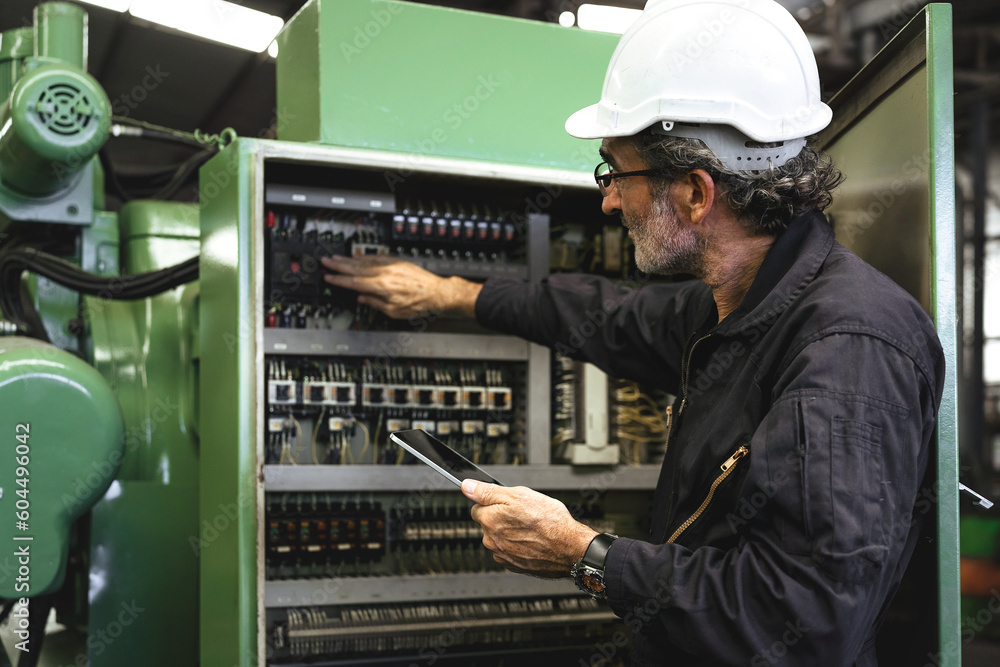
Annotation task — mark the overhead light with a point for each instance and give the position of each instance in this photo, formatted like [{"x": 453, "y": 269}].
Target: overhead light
[
  {"x": 603, "y": 18},
  {"x": 113, "y": 5},
  {"x": 217, "y": 20},
  {"x": 272, "y": 49},
  {"x": 567, "y": 19}
]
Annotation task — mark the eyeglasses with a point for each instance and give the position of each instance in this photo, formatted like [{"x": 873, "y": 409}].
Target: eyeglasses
[{"x": 605, "y": 173}]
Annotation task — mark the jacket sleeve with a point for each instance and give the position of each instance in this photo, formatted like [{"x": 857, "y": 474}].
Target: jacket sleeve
[
  {"x": 628, "y": 332},
  {"x": 827, "y": 518}
]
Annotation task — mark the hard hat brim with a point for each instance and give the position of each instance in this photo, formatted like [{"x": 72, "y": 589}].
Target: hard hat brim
[{"x": 584, "y": 124}]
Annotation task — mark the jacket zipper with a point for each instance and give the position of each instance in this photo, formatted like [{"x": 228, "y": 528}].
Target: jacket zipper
[
  {"x": 686, "y": 374},
  {"x": 727, "y": 468},
  {"x": 670, "y": 424}
]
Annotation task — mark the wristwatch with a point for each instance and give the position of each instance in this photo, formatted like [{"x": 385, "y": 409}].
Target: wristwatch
[{"x": 588, "y": 572}]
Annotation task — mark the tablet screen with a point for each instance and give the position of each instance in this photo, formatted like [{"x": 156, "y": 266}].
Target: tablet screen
[{"x": 440, "y": 456}]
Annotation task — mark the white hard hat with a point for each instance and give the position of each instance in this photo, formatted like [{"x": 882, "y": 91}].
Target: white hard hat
[{"x": 701, "y": 63}]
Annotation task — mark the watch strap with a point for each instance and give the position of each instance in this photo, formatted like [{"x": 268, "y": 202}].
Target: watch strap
[{"x": 597, "y": 552}]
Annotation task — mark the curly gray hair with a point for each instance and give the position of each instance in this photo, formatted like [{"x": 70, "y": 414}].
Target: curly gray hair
[{"x": 765, "y": 201}]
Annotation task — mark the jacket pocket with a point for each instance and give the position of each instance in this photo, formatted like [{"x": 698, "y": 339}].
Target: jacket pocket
[
  {"x": 842, "y": 488},
  {"x": 825, "y": 471},
  {"x": 854, "y": 545}
]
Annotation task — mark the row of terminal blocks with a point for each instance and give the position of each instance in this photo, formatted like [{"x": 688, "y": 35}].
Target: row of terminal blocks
[
  {"x": 397, "y": 387},
  {"x": 475, "y": 632},
  {"x": 316, "y": 528},
  {"x": 318, "y": 534}
]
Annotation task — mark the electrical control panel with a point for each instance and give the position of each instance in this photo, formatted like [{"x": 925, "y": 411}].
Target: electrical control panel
[{"x": 362, "y": 553}]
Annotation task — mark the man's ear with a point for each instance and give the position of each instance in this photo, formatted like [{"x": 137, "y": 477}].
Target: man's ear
[{"x": 696, "y": 195}]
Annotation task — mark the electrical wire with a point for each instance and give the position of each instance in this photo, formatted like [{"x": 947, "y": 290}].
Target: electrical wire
[
  {"x": 364, "y": 429},
  {"x": 162, "y": 183},
  {"x": 17, "y": 308},
  {"x": 124, "y": 126},
  {"x": 298, "y": 439},
  {"x": 640, "y": 421},
  {"x": 159, "y": 184},
  {"x": 348, "y": 456},
  {"x": 315, "y": 433}
]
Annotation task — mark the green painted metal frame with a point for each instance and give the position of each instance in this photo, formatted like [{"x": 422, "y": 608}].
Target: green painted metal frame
[
  {"x": 940, "y": 77},
  {"x": 413, "y": 78},
  {"x": 230, "y": 467}
]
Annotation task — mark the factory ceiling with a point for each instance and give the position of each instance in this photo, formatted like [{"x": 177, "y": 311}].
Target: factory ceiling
[{"x": 169, "y": 78}]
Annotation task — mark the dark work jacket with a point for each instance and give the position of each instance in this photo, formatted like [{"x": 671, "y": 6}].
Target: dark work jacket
[{"x": 788, "y": 503}]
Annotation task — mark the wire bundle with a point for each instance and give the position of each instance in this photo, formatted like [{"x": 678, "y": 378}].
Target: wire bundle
[
  {"x": 13, "y": 263},
  {"x": 641, "y": 423}
]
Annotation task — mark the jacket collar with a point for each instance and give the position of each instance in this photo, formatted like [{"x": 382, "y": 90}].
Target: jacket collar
[{"x": 789, "y": 266}]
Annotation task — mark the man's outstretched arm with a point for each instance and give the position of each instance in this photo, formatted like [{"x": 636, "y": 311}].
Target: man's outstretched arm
[{"x": 401, "y": 289}]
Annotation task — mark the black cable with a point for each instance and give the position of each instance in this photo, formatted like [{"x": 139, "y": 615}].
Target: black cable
[
  {"x": 38, "y": 616},
  {"x": 209, "y": 145},
  {"x": 183, "y": 173},
  {"x": 160, "y": 184},
  {"x": 4, "y": 612},
  {"x": 19, "y": 309}
]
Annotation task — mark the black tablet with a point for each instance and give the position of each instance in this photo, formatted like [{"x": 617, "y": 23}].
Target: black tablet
[{"x": 440, "y": 456}]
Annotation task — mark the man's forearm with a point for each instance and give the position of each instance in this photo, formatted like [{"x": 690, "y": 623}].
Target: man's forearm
[{"x": 459, "y": 297}]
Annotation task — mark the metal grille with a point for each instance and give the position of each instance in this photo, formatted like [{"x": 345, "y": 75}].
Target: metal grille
[{"x": 64, "y": 109}]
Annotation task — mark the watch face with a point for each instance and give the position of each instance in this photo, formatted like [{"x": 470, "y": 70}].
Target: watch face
[{"x": 593, "y": 582}]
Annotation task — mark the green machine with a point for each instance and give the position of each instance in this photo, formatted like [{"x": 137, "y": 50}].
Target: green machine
[
  {"x": 112, "y": 440},
  {"x": 244, "y": 509}
]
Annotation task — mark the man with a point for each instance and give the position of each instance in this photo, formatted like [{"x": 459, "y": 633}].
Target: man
[{"x": 807, "y": 383}]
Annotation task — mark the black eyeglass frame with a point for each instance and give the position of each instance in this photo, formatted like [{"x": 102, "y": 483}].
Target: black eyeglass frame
[{"x": 604, "y": 180}]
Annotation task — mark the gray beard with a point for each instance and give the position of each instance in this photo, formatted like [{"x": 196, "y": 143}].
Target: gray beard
[{"x": 668, "y": 249}]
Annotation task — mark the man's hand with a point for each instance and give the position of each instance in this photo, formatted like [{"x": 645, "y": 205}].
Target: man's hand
[
  {"x": 401, "y": 289},
  {"x": 528, "y": 532}
]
